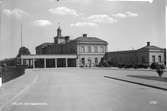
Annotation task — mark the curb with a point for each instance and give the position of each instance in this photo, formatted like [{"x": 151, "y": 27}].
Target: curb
[{"x": 138, "y": 83}]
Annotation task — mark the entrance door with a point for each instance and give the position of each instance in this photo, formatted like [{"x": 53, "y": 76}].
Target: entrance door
[
  {"x": 89, "y": 62},
  {"x": 71, "y": 62}
]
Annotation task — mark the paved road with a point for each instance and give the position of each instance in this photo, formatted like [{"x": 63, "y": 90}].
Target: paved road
[{"x": 85, "y": 90}]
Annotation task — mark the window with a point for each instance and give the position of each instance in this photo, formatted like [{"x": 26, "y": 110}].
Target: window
[
  {"x": 153, "y": 59},
  {"x": 143, "y": 59},
  {"x": 101, "y": 49},
  {"x": 89, "y": 49},
  {"x": 82, "y": 49},
  {"x": 96, "y": 49},
  {"x": 159, "y": 59}
]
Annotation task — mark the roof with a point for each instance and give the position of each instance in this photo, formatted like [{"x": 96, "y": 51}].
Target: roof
[
  {"x": 90, "y": 39},
  {"x": 79, "y": 39},
  {"x": 45, "y": 44},
  {"x": 150, "y": 48},
  {"x": 125, "y": 51}
]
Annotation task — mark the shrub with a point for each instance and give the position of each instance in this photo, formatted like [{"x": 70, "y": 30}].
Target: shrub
[
  {"x": 154, "y": 65},
  {"x": 128, "y": 66},
  {"x": 121, "y": 65},
  {"x": 162, "y": 66}
]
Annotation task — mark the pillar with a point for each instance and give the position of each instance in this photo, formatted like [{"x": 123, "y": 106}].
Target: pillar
[
  {"x": 44, "y": 62},
  {"x": 56, "y": 63},
  {"x": 21, "y": 61},
  {"x": 77, "y": 62},
  {"x": 66, "y": 62},
  {"x": 29, "y": 63},
  {"x": 33, "y": 63}
]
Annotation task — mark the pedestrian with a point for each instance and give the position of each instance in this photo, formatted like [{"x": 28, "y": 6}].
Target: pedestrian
[{"x": 160, "y": 71}]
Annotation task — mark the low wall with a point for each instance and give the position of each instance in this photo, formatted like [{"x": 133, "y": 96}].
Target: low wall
[
  {"x": 11, "y": 72},
  {"x": 0, "y": 81}
]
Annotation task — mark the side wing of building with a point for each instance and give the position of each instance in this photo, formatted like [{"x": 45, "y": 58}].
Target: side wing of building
[{"x": 144, "y": 56}]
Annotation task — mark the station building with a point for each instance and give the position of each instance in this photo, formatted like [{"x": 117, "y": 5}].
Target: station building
[
  {"x": 144, "y": 56},
  {"x": 83, "y": 51}
]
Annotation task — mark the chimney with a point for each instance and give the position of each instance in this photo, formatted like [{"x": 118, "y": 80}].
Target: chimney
[
  {"x": 148, "y": 43},
  {"x": 84, "y": 35}
]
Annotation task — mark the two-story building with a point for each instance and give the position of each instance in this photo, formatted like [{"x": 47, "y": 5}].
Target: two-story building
[{"x": 83, "y": 51}]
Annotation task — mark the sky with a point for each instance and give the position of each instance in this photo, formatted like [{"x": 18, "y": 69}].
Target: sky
[{"x": 124, "y": 24}]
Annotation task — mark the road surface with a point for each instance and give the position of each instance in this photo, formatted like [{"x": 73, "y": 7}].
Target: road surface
[{"x": 85, "y": 90}]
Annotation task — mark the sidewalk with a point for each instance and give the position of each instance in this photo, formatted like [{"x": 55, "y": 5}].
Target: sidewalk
[
  {"x": 141, "y": 77},
  {"x": 12, "y": 88}
]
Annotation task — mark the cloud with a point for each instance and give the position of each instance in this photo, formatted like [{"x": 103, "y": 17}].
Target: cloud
[
  {"x": 52, "y": 0},
  {"x": 63, "y": 11},
  {"x": 131, "y": 14},
  {"x": 120, "y": 15},
  {"x": 42, "y": 23},
  {"x": 18, "y": 13},
  {"x": 82, "y": 24},
  {"x": 1, "y": 1},
  {"x": 150, "y": 1},
  {"x": 101, "y": 19},
  {"x": 74, "y": 1},
  {"x": 125, "y": 15}
]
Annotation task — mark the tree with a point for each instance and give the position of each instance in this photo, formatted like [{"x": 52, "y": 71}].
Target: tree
[{"x": 23, "y": 51}]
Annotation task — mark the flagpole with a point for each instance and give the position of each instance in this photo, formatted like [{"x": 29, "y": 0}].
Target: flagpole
[{"x": 21, "y": 35}]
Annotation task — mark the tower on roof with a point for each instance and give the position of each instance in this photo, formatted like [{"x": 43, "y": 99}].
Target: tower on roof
[{"x": 59, "y": 31}]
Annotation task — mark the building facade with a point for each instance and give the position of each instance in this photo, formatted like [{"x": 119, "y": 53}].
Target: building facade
[
  {"x": 83, "y": 51},
  {"x": 144, "y": 56}
]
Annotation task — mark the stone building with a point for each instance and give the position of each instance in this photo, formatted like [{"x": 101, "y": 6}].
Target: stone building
[
  {"x": 143, "y": 56},
  {"x": 83, "y": 51}
]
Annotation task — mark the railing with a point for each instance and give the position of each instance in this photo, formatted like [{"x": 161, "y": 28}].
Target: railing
[{"x": 8, "y": 73}]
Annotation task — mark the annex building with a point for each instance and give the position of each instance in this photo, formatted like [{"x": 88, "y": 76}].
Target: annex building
[
  {"x": 144, "y": 56},
  {"x": 83, "y": 51}
]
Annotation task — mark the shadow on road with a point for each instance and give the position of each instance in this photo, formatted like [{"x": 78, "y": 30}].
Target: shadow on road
[{"x": 163, "y": 79}]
